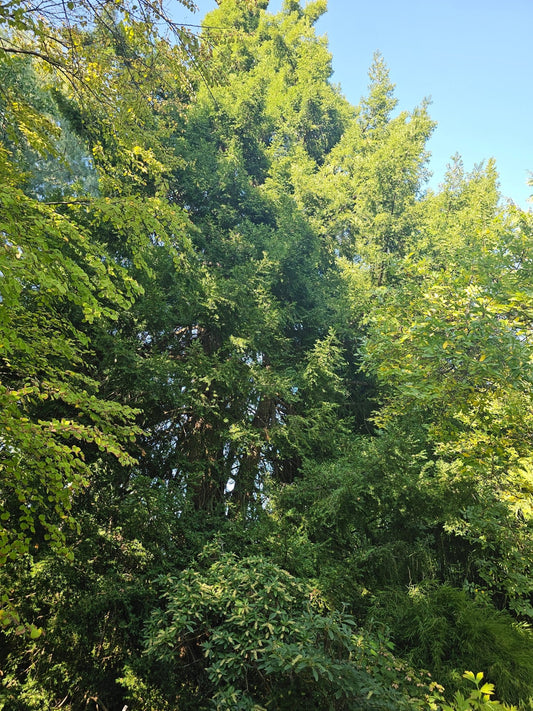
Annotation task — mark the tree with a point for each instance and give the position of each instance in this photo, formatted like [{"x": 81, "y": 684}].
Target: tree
[
  {"x": 247, "y": 349},
  {"x": 374, "y": 177},
  {"x": 230, "y": 313},
  {"x": 60, "y": 280}
]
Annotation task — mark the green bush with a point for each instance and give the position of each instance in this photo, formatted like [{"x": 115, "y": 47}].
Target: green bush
[
  {"x": 245, "y": 634},
  {"x": 444, "y": 630}
]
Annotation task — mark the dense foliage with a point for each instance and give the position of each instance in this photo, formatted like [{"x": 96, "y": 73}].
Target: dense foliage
[{"x": 266, "y": 403}]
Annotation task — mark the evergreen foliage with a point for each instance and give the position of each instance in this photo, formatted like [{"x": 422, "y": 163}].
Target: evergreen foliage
[{"x": 265, "y": 401}]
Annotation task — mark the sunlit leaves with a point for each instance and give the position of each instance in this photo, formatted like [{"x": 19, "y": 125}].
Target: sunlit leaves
[{"x": 451, "y": 347}]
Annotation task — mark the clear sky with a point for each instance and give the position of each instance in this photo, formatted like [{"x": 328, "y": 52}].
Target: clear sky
[{"x": 473, "y": 58}]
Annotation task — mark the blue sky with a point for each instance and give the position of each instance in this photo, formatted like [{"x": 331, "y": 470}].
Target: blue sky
[{"x": 473, "y": 58}]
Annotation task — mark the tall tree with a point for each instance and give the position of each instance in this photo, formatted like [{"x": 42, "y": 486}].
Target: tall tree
[
  {"x": 374, "y": 177},
  {"x": 249, "y": 350},
  {"x": 66, "y": 267}
]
